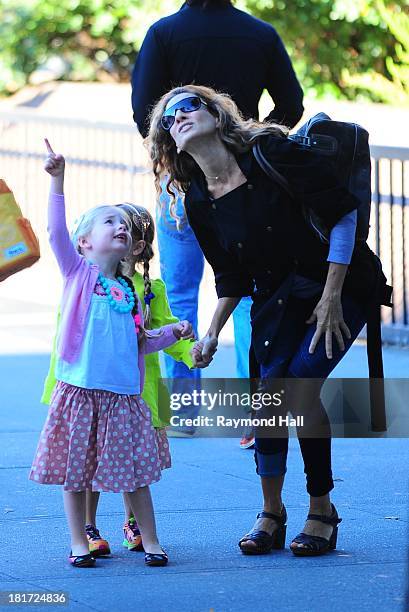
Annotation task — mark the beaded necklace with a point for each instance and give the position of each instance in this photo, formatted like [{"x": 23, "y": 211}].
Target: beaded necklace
[{"x": 114, "y": 304}]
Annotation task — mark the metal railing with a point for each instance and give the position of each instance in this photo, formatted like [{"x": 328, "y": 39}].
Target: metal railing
[
  {"x": 389, "y": 233},
  {"x": 108, "y": 163}
]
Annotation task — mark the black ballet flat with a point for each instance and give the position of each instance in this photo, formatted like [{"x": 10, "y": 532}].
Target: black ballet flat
[
  {"x": 264, "y": 542},
  {"x": 156, "y": 559},
  {"x": 81, "y": 560},
  {"x": 313, "y": 546}
]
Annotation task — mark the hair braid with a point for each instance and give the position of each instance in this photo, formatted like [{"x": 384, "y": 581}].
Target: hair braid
[
  {"x": 135, "y": 309},
  {"x": 147, "y": 291},
  {"x": 143, "y": 228}
]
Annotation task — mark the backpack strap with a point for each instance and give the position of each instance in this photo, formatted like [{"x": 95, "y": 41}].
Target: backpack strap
[
  {"x": 375, "y": 366},
  {"x": 319, "y": 143},
  {"x": 270, "y": 171},
  {"x": 375, "y": 361}
]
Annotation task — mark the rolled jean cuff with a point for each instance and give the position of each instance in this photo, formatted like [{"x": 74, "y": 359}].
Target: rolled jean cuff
[
  {"x": 270, "y": 465},
  {"x": 320, "y": 487}
]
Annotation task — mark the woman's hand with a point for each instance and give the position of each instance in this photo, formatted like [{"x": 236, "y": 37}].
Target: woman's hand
[
  {"x": 184, "y": 330},
  {"x": 54, "y": 163},
  {"x": 203, "y": 351},
  {"x": 330, "y": 320}
]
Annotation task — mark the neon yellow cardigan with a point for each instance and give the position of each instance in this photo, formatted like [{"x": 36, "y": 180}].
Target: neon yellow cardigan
[{"x": 154, "y": 388}]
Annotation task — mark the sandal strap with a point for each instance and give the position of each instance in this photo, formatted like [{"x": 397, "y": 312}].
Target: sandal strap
[
  {"x": 315, "y": 543},
  {"x": 280, "y": 519},
  {"x": 333, "y": 520},
  {"x": 259, "y": 536}
]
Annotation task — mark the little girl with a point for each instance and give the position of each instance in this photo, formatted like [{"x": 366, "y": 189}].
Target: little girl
[
  {"x": 98, "y": 434},
  {"x": 156, "y": 314}
]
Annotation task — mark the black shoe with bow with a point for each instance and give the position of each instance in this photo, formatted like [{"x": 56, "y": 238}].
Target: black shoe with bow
[
  {"x": 156, "y": 559},
  {"x": 81, "y": 560}
]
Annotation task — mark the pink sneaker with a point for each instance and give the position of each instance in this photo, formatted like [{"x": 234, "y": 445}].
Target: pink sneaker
[
  {"x": 98, "y": 547},
  {"x": 247, "y": 441},
  {"x": 132, "y": 536}
]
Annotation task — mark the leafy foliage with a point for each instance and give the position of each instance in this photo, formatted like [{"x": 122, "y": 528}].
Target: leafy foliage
[
  {"x": 97, "y": 39},
  {"x": 393, "y": 90},
  {"x": 341, "y": 48},
  {"x": 329, "y": 40}
]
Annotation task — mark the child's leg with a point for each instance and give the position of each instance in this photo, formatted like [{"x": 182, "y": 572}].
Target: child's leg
[
  {"x": 91, "y": 507},
  {"x": 142, "y": 507},
  {"x": 127, "y": 508},
  {"x": 74, "y": 505},
  {"x": 98, "y": 547},
  {"x": 132, "y": 536}
]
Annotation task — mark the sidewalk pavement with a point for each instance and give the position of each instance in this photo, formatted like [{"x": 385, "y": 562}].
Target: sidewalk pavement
[{"x": 204, "y": 504}]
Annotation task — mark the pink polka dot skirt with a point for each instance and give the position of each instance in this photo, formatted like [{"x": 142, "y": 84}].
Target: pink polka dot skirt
[
  {"x": 163, "y": 448},
  {"x": 99, "y": 440}
]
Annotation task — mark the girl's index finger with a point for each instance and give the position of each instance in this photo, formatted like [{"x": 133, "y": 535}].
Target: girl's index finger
[{"x": 49, "y": 148}]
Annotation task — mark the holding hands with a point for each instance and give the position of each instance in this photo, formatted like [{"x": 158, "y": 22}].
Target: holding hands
[
  {"x": 203, "y": 351},
  {"x": 184, "y": 330}
]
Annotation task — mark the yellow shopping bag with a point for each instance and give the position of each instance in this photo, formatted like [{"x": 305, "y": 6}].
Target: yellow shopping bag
[{"x": 19, "y": 247}]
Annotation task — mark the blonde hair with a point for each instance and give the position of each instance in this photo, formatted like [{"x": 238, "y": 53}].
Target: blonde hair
[
  {"x": 84, "y": 224},
  {"x": 142, "y": 228},
  {"x": 234, "y": 131}
]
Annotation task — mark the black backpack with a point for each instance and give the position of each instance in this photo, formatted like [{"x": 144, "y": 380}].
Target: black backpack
[{"x": 347, "y": 144}]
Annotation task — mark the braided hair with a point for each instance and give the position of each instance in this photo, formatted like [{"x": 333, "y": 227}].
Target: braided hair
[
  {"x": 142, "y": 228},
  {"x": 135, "y": 309}
]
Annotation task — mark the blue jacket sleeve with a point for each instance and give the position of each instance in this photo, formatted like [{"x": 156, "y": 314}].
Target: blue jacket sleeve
[
  {"x": 150, "y": 79},
  {"x": 342, "y": 239}
]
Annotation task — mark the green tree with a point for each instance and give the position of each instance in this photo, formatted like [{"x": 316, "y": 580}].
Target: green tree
[
  {"x": 337, "y": 46},
  {"x": 393, "y": 89},
  {"x": 327, "y": 37},
  {"x": 95, "y": 38}
]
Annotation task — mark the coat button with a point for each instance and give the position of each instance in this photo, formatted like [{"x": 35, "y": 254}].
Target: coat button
[
  {"x": 250, "y": 187},
  {"x": 269, "y": 228},
  {"x": 266, "y": 343},
  {"x": 269, "y": 272},
  {"x": 239, "y": 244},
  {"x": 280, "y": 302},
  {"x": 214, "y": 206}
]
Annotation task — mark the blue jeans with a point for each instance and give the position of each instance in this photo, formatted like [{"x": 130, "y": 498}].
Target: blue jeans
[
  {"x": 290, "y": 358},
  {"x": 242, "y": 336},
  {"x": 181, "y": 264}
]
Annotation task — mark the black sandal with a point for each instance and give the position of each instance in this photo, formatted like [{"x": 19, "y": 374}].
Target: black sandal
[
  {"x": 156, "y": 559},
  {"x": 81, "y": 560},
  {"x": 316, "y": 545},
  {"x": 264, "y": 541}
]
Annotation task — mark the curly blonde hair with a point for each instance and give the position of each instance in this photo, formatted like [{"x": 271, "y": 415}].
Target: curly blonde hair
[{"x": 235, "y": 132}]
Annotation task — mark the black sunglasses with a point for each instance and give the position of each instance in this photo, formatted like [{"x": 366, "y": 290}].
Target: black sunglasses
[{"x": 186, "y": 105}]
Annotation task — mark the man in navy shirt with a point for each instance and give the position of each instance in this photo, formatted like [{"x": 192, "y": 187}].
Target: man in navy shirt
[
  {"x": 219, "y": 46},
  {"x": 209, "y": 42}
]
